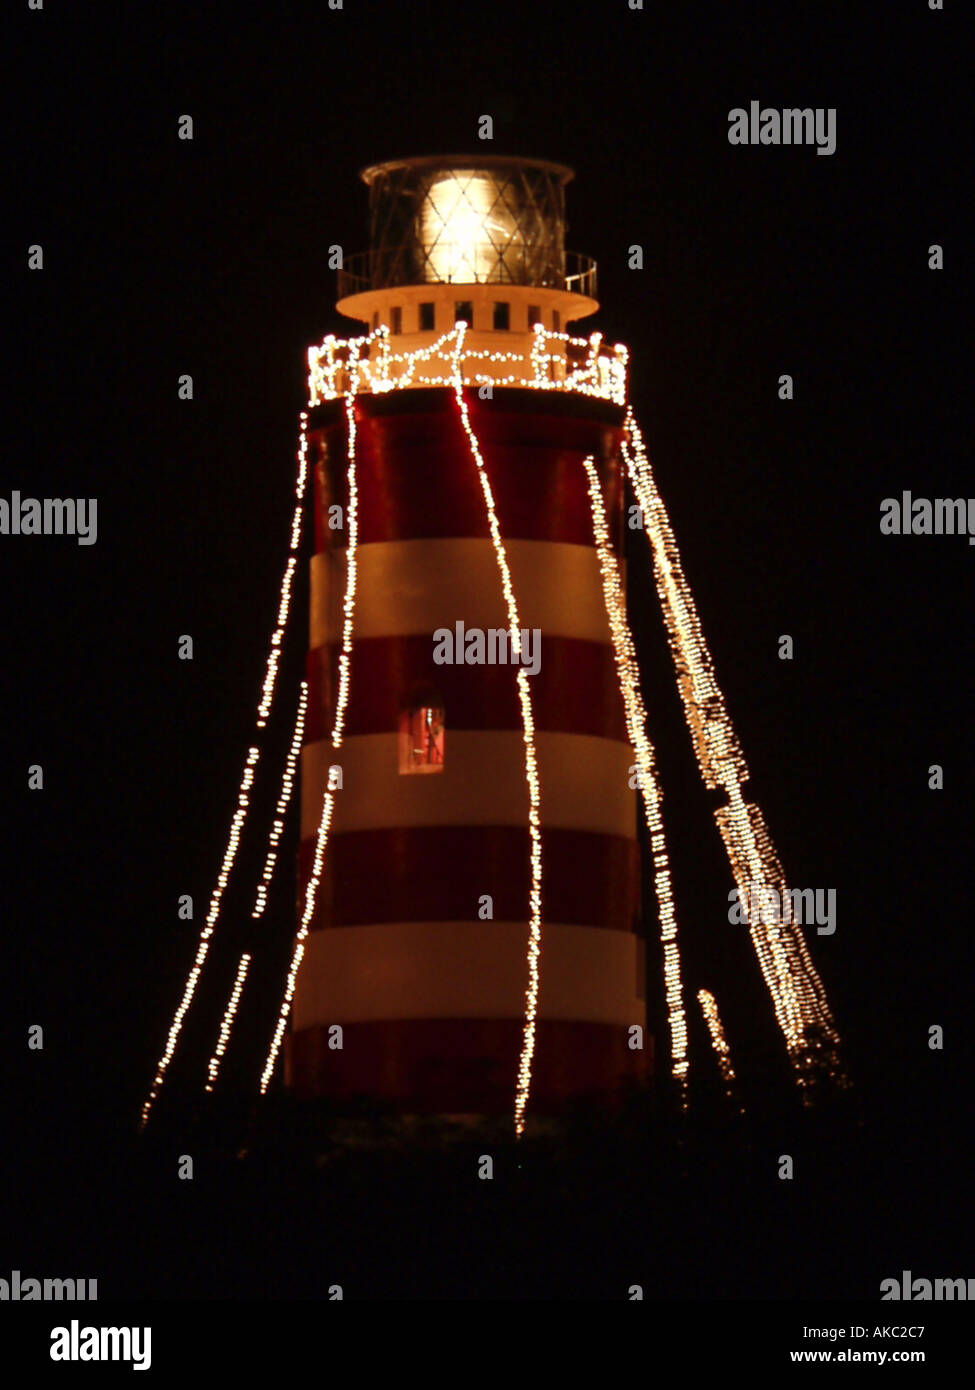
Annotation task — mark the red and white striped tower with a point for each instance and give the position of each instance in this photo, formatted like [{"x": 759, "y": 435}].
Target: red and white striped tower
[{"x": 418, "y": 945}]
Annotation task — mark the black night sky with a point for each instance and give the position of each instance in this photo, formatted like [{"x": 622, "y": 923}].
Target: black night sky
[{"x": 164, "y": 257}]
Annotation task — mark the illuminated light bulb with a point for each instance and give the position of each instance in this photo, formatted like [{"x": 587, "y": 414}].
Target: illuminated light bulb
[
  {"x": 328, "y": 796},
  {"x": 798, "y": 997},
  {"x": 722, "y": 1051},
  {"x": 531, "y": 761},
  {"x": 628, "y": 673},
  {"x": 226, "y": 1023}
]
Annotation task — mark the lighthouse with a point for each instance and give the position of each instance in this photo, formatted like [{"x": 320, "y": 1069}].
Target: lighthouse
[{"x": 482, "y": 882}]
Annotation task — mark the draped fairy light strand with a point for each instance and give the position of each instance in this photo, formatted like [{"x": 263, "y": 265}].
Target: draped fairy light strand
[
  {"x": 203, "y": 947},
  {"x": 328, "y": 798},
  {"x": 798, "y": 996},
  {"x": 247, "y": 777},
  {"x": 628, "y": 674},
  {"x": 284, "y": 606},
  {"x": 555, "y": 362},
  {"x": 531, "y": 761},
  {"x": 288, "y": 779},
  {"x": 227, "y": 1022},
  {"x": 719, "y": 1042}
]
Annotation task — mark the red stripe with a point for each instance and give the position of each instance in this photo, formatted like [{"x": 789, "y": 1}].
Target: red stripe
[
  {"x": 416, "y": 477},
  {"x": 465, "y": 1065},
  {"x": 575, "y": 690},
  {"x": 438, "y": 873}
]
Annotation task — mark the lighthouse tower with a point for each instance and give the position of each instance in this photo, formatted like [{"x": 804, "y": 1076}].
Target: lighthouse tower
[{"x": 412, "y": 990}]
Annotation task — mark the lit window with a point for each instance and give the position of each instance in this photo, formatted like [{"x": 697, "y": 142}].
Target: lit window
[
  {"x": 397, "y": 320},
  {"x": 421, "y": 735},
  {"x": 534, "y": 315},
  {"x": 426, "y": 318},
  {"x": 502, "y": 318},
  {"x": 464, "y": 311}
]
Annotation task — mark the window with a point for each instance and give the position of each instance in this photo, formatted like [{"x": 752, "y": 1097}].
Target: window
[
  {"x": 502, "y": 318},
  {"x": 464, "y": 310},
  {"x": 534, "y": 315},
  {"x": 426, "y": 318},
  {"x": 421, "y": 733},
  {"x": 556, "y": 321},
  {"x": 397, "y": 320},
  {"x": 375, "y": 320}
]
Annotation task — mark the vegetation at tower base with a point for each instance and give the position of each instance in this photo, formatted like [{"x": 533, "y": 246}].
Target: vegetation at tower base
[{"x": 686, "y": 1205}]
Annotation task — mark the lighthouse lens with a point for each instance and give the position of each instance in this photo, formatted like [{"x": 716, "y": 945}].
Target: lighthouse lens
[
  {"x": 440, "y": 222},
  {"x": 467, "y": 230}
]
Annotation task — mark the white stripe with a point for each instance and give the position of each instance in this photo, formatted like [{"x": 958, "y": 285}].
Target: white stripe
[
  {"x": 409, "y": 587},
  {"x": 475, "y": 969},
  {"x": 586, "y": 782}
]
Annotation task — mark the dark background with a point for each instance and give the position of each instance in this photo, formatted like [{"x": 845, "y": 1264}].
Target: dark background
[{"x": 164, "y": 257}]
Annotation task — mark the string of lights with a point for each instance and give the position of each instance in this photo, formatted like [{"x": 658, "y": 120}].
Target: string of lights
[
  {"x": 328, "y": 798},
  {"x": 351, "y": 552},
  {"x": 227, "y": 1022},
  {"x": 602, "y": 372},
  {"x": 531, "y": 761},
  {"x": 719, "y": 1042},
  {"x": 798, "y": 997},
  {"x": 556, "y": 361},
  {"x": 284, "y": 606},
  {"x": 247, "y": 777},
  {"x": 628, "y": 673},
  {"x": 288, "y": 780}
]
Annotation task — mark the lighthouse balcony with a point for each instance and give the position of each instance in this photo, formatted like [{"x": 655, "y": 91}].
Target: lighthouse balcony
[{"x": 472, "y": 263}]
